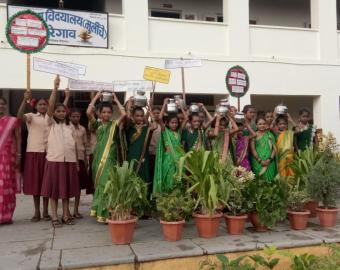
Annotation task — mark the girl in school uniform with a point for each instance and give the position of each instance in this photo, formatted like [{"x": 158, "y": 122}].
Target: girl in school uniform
[
  {"x": 61, "y": 170},
  {"x": 35, "y": 153}
]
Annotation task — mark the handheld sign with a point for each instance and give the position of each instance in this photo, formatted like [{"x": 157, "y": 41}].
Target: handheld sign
[
  {"x": 182, "y": 63},
  {"x": 237, "y": 81},
  {"x": 51, "y": 67},
  {"x": 157, "y": 75},
  {"x": 81, "y": 68}
]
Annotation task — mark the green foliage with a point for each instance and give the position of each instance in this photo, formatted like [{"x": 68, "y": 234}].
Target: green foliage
[
  {"x": 174, "y": 206},
  {"x": 203, "y": 173},
  {"x": 304, "y": 262},
  {"x": 330, "y": 261},
  {"x": 323, "y": 182},
  {"x": 226, "y": 264},
  {"x": 124, "y": 192},
  {"x": 269, "y": 200},
  {"x": 297, "y": 200}
]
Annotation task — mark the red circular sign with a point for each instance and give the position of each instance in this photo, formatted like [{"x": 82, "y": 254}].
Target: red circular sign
[
  {"x": 237, "y": 81},
  {"x": 27, "y": 32}
]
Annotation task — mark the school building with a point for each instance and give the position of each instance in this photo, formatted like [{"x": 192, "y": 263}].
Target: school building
[{"x": 290, "y": 49}]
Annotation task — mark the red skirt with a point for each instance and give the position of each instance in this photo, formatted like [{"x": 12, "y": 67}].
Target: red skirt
[
  {"x": 34, "y": 173},
  {"x": 60, "y": 180}
]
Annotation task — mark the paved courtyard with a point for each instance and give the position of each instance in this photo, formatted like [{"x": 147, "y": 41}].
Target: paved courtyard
[{"x": 26, "y": 245}]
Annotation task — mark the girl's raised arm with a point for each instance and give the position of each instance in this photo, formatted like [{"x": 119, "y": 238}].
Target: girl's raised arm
[
  {"x": 21, "y": 111},
  {"x": 120, "y": 108},
  {"x": 89, "y": 111},
  {"x": 234, "y": 127},
  {"x": 53, "y": 97}
]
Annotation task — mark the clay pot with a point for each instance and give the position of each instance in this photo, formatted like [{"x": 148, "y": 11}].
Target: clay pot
[
  {"x": 235, "y": 224},
  {"x": 122, "y": 230},
  {"x": 298, "y": 220},
  {"x": 172, "y": 231},
  {"x": 254, "y": 219},
  {"x": 207, "y": 225},
  {"x": 311, "y": 206},
  {"x": 327, "y": 216}
]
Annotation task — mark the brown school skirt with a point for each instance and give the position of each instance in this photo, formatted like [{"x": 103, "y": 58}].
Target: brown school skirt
[
  {"x": 60, "y": 180},
  {"x": 34, "y": 173}
]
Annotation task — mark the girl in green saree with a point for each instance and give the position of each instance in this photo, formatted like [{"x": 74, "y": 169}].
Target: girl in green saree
[
  {"x": 105, "y": 152},
  {"x": 306, "y": 136},
  {"x": 263, "y": 152},
  {"x": 169, "y": 151}
]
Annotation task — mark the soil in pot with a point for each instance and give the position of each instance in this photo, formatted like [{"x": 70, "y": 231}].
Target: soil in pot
[
  {"x": 298, "y": 220},
  {"x": 327, "y": 216},
  {"x": 311, "y": 206},
  {"x": 122, "y": 231},
  {"x": 207, "y": 225},
  {"x": 255, "y": 220},
  {"x": 235, "y": 224},
  {"x": 172, "y": 231}
]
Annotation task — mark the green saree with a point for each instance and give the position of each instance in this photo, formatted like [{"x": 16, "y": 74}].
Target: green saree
[
  {"x": 135, "y": 139},
  {"x": 104, "y": 158},
  {"x": 264, "y": 146},
  {"x": 167, "y": 158},
  {"x": 304, "y": 138},
  {"x": 193, "y": 139}
]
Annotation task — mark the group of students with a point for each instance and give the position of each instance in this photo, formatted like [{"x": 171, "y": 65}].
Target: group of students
[{"x": 63, "y": 157}]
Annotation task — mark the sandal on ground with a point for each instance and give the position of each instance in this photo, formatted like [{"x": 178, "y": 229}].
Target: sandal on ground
[
  {"x": 78, "y": 216},
  {"x": 47, "y": 217},
  {"x": 35, "y": 219},
  {"x": 56, "y": 223},
  {"x": 67, "y": 221}
]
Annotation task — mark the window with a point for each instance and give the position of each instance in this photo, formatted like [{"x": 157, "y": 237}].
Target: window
[
  {"x": 166, "y": 14},
  {"x": 252, "y": 22},
  {"x": 220, "y": 18}
]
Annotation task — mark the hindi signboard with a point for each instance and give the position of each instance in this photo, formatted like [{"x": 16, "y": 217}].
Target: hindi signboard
[
  {"x": 182, "y": 63},
  {"x": 81, "y": 68},
  {"x": 157, "y": 75},
  {"x": 71, "y": 28},
  {"x": 51, "y": 67},
  {"x": 237, "y": 81}
]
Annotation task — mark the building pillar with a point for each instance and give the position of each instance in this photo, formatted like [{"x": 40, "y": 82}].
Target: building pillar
[
  {"x": 324, "y": 18},
  {"x": 136, "y": 15},
  {"x": 236, "y": 15}
]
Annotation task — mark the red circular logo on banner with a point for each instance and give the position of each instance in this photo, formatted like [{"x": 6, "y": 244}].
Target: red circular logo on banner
[
  {"x": 27, "y": 32},
  {"x": 237, "y": 81}
]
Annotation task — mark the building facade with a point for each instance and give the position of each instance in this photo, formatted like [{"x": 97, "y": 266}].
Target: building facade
[{"x": 290, "y": 49}]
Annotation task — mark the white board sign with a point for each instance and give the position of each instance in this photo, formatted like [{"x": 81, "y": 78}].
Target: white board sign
[
  {"x": 69, "y": 27},
  {"x": 47, "y": 66},
  {"x": 125, "y": 86},
  {"x": 182, "y": 63},
  {"x": 81, "y": 68}
]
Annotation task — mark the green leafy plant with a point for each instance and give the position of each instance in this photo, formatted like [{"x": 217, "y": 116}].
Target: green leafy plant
[
  {"x": 269, "y": 200},
  {"x": 297, "y": 200},
  {"x": 331, "y": 261},
  {"x": 174, "y": 206},
  {"x": 225, "y": 263},
  {"x": 323, "y": 182},
  {"x": 124, "y": 192},
  {"x": 203, "y": 173},
  {"x": 268, "y": 261}
]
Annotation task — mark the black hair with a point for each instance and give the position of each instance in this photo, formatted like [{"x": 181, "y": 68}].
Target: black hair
[
  {"x": 155, "y": 109},
  {"x": 4, "y": 100},
  {"x": 260, "y": 114},
  {"x": 213, "y": 123},
  {"x": 281, "y": 118},
  {"x": 169, "y": 117},
  {"x": 246, "y": 108},
  {"x": 103, "y": 105},
  {"x": 137, "y": 109},
  {"x": 260, "y": 117},
  {"x": 240, "y": 124},
  {"x": 304, "y": 110},
  {"x": 67, "y": 119},
  {"x": 75, "y": 110}
]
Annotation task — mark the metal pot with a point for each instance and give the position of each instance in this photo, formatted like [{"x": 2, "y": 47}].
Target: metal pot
[
  {"x": 239, "y": 117},
  {"x": 281, "y": 109},
  {"x": 140, "y": 100},
  {"x": 194, "y": 108},
  {"x": 179, "y": 100},
  {"x": 106, "y": 97},
  {"x": 222, "y": 110},
  {"x": 225, "y": 103},
  {"x": 172, "y": 106}
]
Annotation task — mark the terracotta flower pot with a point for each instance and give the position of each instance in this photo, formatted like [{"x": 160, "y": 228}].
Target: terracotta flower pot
[
  {"x": 298, "y": 220},
  {"x": 207, "y": 225},
  {"x": 254, "y": 219},
  {"x": 172, "y": 231},
  {"x": 122, "y": 230},
  {"x": 235, "y": 224},
  {"x": 327, "y": 216},
  {"x": 311, "y": 206}
]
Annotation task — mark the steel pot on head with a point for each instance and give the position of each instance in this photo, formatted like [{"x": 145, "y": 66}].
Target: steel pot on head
[
  {"x": 172, "y": 106},
  {"x": 281, "y": 110},
  {"x": 140, "y": 100}
]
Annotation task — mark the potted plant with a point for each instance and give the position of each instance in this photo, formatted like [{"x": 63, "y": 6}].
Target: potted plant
[
  {"x": 322, "y": 185},
  {"x": 236, "y": 216},
  {"x": 174, "y": 208},
  {"x": 298, "y": 215},
  {"x": 124, "y": 192},
  {"x": 202, "y": 172},
  {"x": 266, "y": 202}
]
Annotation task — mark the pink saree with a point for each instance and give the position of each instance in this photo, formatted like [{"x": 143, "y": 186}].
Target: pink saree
[{"x": 7, "y": 168}]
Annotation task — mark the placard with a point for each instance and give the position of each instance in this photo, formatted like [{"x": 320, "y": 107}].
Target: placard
[
  {"x": 157, "y": 75},
  {"x": 129, "y": 86},
  {"x": 237, "y": 81},
  {"x": 69, "y": 27},
  {"x": 81, "y": 68},
  {"x": 182, "y": 63},
  {"x": 82, "y": 85},
  {"x": 51, "y": 67}
]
